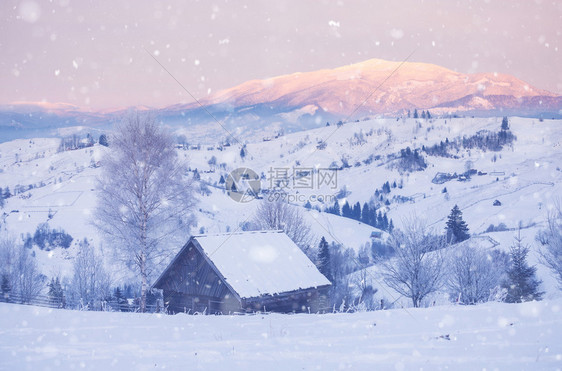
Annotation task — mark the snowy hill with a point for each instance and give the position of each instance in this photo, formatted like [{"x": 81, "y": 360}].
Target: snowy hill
[{"x": 525, "y": 177}]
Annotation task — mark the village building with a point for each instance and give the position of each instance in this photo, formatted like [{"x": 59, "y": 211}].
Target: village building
[{"x": 243, "y": 272}]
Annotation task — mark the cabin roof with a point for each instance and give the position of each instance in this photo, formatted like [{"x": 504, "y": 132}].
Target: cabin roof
[{"x": 259, "y": 263}]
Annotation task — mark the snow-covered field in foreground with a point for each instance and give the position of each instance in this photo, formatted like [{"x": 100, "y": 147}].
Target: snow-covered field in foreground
[{"x": 491, "y": 336}]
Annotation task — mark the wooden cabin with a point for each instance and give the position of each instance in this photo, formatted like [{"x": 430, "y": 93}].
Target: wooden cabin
[{"x": 243, "y": 272}]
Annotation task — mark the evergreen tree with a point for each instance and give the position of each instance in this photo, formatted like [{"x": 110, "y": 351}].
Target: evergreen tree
[
  {"x": 103, "y": 140},
  {"x": 386, "y": 187},
  {"x": 308, "y": 205},
  {"x": 55, "y": 292},
  {"x": 522, "y": 283},
  {"x": 117, "y": 294},
  {"x": 5, "y": 286},
  {"x": 366, "y": 214},
  {"x": 221, "y": 181},
  {"x": 428, "y": 115},
  {"x": 356, "y": 211},
  {"x": 242, "y": 153},
  {"x": 335, "y": 209},
  {"x": 505, "y": 124},
  {"x": 324, "y": 264},
  {"x": 346, "y": 210},
  {"x": 423, "y": 114},
  {"x": 457, "y": 230},
  {"x": 7, "y": 193},
  {"x": 416, "y": 113}
]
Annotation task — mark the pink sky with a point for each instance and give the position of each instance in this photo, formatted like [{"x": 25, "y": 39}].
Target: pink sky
[{"x": 90, "y": 53}]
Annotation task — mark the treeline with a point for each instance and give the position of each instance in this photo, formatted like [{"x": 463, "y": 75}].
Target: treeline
[
  {"x": 74, "y": 142},
  {"x": 484, "y": 140},
  {"x": 367, "y": 214},
  {"x": 417, "y": 263}
]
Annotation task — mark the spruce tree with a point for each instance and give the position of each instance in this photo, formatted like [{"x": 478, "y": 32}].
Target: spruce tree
[
  {"x": 505, "y": 124},
  {"x": 55, "y": 292},
  {"x": 324, "y": 264},
  {"x": 103, "y": 140},
  {"x": 356, "y": 211},
  {"x": 522, "y": 283},
  {"x": 336, "y": 208},
  {"x": 5, "y": 287},
  {"x": 346, "y": 210},
  {"x": 457, "y": 230},
  {"x": 366, "y": 214}
]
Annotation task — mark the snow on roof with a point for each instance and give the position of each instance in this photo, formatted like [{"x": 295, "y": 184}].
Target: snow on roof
[{"x": 261, "y": 262}]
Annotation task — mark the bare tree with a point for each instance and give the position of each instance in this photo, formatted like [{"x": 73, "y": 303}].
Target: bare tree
[
  {"x": 20, "y": 270},
  {"x": 551, "y": 243},
  {"x": 280, "y": 215},
  {"x": 90, "y": 281},
  {"x": 473, "y": 275},
  {"x": 417, "y": 268},
  {"x": 145, "y": 198}
]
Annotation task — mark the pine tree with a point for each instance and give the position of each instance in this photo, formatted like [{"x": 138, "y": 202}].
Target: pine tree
[
  {"x": 103, "y": 140},
  {"x": 55, "y": 292},
  {"x": 423, "y": 114},
  {"x": 505, "y": 124},
  {"x": 457, "y": 230},
  {"x": 416, "y": 113},
  {"x": 117, "y": 293},
  {"x": 242, "y": 153},
  {"x": 356, "y": 211},
  {"x": 324, "y": 264},
  {"x": 5, "y": 287},
  {"x": 335, "y": 209},
  {"x": 346, "y": 210},
  {"x": 221, "y": 181},
  {"x": 522, "y": 283},
  {"x": 428, "y": 115},
  {"x": 366, "y": 214}
]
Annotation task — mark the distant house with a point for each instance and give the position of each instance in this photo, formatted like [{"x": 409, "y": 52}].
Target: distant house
[
  {"x": 376, "y": 234},
  {"x": 242, "y": 272}
]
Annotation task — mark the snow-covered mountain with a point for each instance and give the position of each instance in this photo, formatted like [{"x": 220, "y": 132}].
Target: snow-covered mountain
[
  {"x": 377, "y": 86},
  {"x": 300, "y": 101}
]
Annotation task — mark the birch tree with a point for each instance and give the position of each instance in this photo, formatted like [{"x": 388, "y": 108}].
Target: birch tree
[
  {"x": 145, "y": 198},
  {"x": 417, "y": 268},
  {"x": 277, "y": 214},
  {"x": 550, "y": 239}
]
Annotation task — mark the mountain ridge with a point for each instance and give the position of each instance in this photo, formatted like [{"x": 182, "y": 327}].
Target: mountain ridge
[{"x": 304, "y": 100}]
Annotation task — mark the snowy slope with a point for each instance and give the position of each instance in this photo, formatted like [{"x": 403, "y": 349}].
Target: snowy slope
[
  {"x": 489, "y": 336},
  {"x": 526, "y": 179}
]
